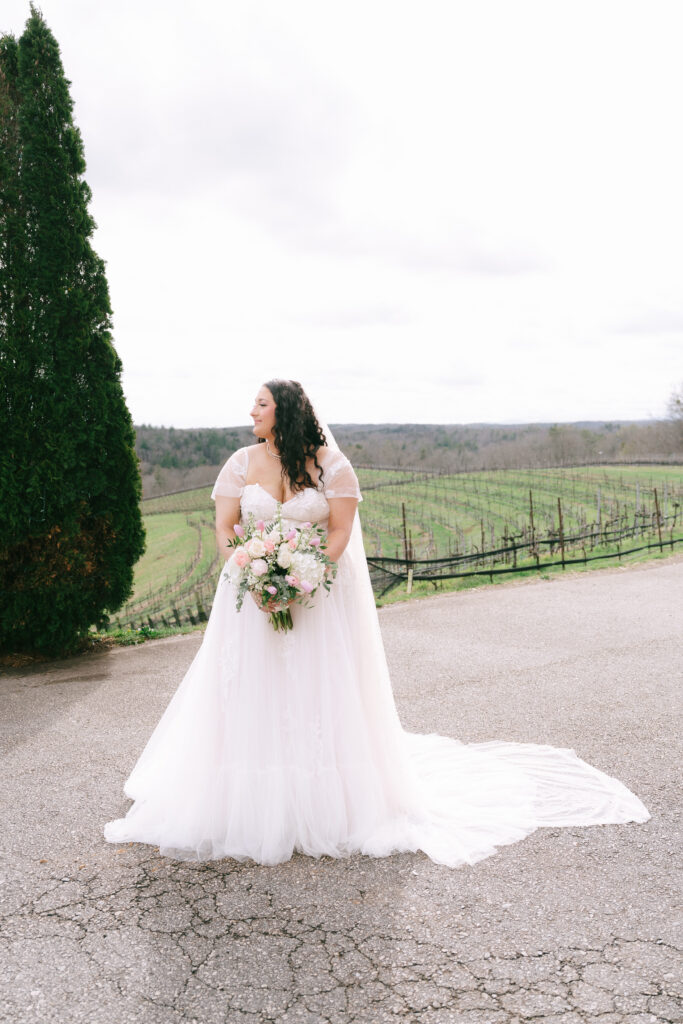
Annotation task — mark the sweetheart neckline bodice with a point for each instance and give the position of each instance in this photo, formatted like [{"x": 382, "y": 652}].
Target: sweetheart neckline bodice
[{"x": 289, "y": 500}]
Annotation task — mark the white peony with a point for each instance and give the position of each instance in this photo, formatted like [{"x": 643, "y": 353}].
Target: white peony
[
  {"x": 259, "y": 567},
  {"x": 307, "y": 567}
]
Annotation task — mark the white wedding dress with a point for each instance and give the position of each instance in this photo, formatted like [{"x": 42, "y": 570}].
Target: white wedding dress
[{"x": 280, "y": 742}]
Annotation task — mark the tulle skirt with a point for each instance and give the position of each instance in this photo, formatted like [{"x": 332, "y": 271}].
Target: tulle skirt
[{"x": 275, "y": 743}]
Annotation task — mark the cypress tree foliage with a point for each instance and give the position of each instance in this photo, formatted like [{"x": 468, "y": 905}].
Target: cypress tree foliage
[{"x": 70, "y": 524}]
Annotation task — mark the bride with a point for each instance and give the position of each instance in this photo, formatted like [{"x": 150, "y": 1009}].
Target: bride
[{"x": 275, "y": 743}]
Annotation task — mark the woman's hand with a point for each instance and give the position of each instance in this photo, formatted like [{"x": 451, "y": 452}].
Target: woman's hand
[{"x": 270, "y": 606}]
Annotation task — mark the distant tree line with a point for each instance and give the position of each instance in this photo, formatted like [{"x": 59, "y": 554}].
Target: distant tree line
[
  {"x": 173, "y": 458},
  {"x": 182, "y": 449}
]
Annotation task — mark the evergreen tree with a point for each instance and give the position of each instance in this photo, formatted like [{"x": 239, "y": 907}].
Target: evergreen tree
[{"x": 70, "y": 529}]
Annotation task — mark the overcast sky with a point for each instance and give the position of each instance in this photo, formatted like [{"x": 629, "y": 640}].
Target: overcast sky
[{"x": 437, "y": 211}]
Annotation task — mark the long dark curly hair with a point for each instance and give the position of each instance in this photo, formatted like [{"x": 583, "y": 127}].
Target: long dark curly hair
[{"x": 297, "y": 433}]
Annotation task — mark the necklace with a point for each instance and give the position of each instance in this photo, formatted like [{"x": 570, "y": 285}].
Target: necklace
[{"x": 272, "y": 454}]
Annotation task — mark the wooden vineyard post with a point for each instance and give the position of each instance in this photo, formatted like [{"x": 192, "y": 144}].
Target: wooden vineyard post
[
  {"x": 635, "y": 518},
  {"x": 533, "y": 550},
  {"x": 559, "y": 513},
  {"x": 405, "y": 538},
  {"x": 659, "y": 521},
  {"x": 599, "y": 519}
]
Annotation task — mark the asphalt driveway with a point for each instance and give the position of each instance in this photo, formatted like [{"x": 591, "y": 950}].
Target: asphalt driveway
[{"x": 566, "y": 926}]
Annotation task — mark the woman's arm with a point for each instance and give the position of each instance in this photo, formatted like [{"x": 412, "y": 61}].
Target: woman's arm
[
  {"x": 342, "y": 511},
  {"x": 227, "y": 514}
]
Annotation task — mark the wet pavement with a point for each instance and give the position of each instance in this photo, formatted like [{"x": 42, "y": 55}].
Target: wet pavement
[{"x": 569, "y": 925}]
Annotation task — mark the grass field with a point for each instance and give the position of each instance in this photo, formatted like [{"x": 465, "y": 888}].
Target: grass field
[
  {"x": 177, "y": 569},
  {"x": 446, "y": 515}
]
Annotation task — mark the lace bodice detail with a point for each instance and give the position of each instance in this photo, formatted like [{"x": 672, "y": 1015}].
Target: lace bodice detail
[{"x": 309, "y": 505}]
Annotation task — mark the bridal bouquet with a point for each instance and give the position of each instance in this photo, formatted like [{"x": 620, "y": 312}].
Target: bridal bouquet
[{"x": 278, "y": 565}]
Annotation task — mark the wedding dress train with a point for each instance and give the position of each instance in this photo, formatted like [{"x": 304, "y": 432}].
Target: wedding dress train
[{"x": 275, "y": 743}]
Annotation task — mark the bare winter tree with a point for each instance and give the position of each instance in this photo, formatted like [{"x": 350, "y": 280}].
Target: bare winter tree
[{"x": 675, "y": 409}]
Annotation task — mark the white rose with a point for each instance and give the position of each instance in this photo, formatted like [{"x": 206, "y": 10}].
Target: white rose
[
  {"x": 233, "y": 569},
  {"x": 284, "y": 556},
  {"x": 256, "y": 547}
]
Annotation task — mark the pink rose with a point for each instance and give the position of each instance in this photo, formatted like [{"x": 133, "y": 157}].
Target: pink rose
[
  {"x": 269, "y": 545},
  {"x": 241, "y": 557},
  {"x": 306, "y": 587},
  {"x": 292, "y": 543},
  {"x": 314, "y": 542},
  {"x": 293, "y": 580},
  {"x": 239, "y": 530},
  {"x": 259, "y": 567},
  {"x": 272, "y": 590}
]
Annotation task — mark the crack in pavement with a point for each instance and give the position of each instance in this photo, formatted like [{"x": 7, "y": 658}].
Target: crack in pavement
[{"x": 227, "y": 942}]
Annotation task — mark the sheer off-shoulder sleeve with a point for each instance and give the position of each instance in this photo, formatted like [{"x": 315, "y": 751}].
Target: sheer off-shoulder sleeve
[
  {"x": 232, "y": 477},
  {"x": 339, "y": 478}
]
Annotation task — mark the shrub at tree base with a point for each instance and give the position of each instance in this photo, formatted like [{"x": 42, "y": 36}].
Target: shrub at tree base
[{"x": 58, "y": 580}]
